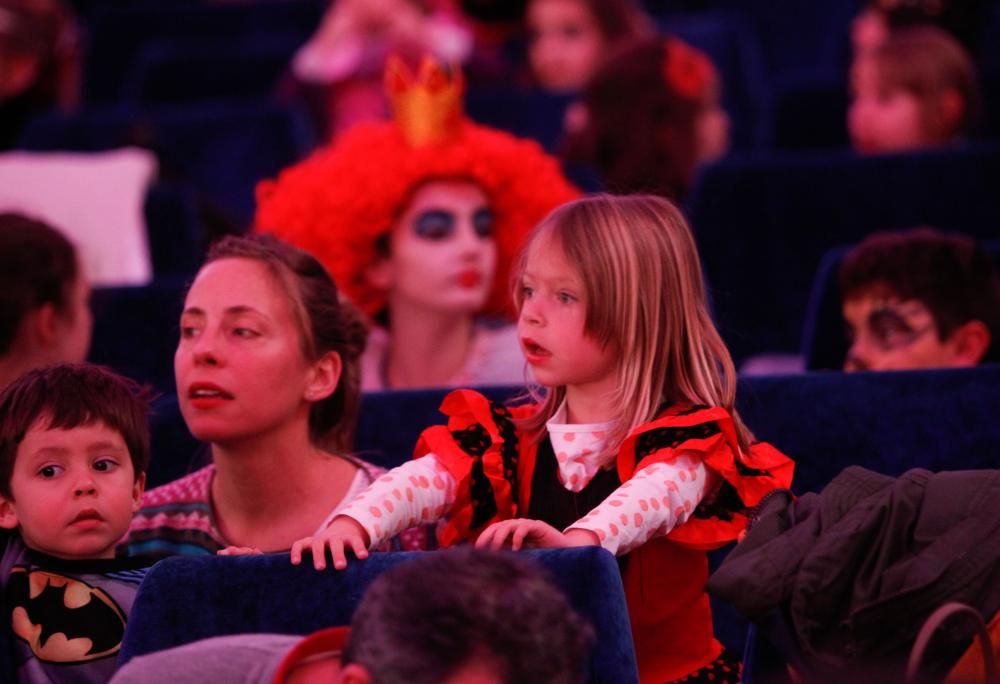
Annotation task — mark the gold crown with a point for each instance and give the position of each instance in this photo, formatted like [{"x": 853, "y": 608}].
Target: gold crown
[{"x": 427, "y": 106}]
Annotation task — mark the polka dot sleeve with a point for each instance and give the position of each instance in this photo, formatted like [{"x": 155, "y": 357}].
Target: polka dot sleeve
[
  {"x": 657, "y": 499},
  {"x": 418, "y": 492}
]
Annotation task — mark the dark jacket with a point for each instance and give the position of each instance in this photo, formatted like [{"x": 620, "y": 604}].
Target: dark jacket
[{"x": 858, "y": 568}]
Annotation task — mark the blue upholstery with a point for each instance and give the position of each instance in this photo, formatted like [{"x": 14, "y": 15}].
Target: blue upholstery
[
  {"x": 221, "y": 149},
  {"x": 163, "y": 71},
  {"x": 888, "y": 422},
  {"x": 119, "y": 31},
  {"x": 186, "y": 599},
  {"x": 533, "y": 114},
  {"x": 174, "y": 231},
  {"x": 135, "y": 330},
  {"x": 762, "y": 225},
  {"x": 810, "y": 112}
]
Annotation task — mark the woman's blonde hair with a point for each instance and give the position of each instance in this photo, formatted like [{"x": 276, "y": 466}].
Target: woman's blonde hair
[{"x": 645, "y": 299}]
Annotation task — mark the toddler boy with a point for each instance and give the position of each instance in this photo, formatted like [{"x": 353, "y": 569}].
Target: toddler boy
[{"x": 74, "y": 448}]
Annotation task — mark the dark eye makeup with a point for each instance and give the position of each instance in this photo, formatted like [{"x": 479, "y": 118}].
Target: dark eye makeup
[{"x": 438, "y": 224}]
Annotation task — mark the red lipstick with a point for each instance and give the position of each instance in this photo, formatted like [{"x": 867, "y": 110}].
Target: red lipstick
[{"x": 469, "y": 279}]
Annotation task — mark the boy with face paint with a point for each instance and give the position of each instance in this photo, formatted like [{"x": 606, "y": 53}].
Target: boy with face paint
[{"x": 919, "y": 298}]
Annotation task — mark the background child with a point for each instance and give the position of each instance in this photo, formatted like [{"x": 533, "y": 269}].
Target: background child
[
  {"x": 636, "y": 426},
  {"x": 74, "y": 448},
  {"x": 918, "y": 89},
  {"x": 650, "y": 118},
  {"x": 568, "y": 39},
  {"x": 920, "y": 298},
  {"x": 44, "y": 298}
]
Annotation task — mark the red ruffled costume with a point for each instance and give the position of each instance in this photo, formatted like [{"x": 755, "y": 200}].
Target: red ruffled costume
[{"x": 664, "y": 579}]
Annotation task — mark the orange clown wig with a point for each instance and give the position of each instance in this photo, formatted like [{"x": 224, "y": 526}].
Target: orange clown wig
[{"x": 344, "y": 198}]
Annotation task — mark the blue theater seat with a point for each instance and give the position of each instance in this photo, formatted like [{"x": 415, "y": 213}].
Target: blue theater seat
[
  {"x": 162, "y": 72},
  {"x": 763, "y": 223},
  {"x": 119, "y": 31},
  {"x": 220, "y": 149},
  {"x": 135, "y": 330},
  {"x": 533, "y": 114},
  {"x": 888, "y": 422},
  {"x": 186, "y": 599},
  {"x": 173, "y": 228}
]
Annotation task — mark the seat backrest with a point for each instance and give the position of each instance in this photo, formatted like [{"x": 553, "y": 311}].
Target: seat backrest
[
  {"x": 118, "y": 32},
  {"x": 184, "y": 599},
  {"x": 136, "y": 329},
  {"x": 221, "y": 149},
  {"x": 763, "y": 224}
]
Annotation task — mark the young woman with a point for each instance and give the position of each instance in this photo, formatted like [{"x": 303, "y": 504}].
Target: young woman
[
  {"x": 634, "y": 443},
  {"x": 418, "y": 221},
  {"x": 267, "y": 374}
]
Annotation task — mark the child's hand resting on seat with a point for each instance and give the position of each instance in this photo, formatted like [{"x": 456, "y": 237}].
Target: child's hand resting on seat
[{"x": 343, "y": 533}]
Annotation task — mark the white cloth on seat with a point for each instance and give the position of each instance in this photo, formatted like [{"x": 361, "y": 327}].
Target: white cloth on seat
[{"x": 95, "y": 198}]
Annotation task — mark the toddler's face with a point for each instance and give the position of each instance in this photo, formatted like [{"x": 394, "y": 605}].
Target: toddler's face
[
  {"x": 566, "y": 43},
  {"x": 74, "y": 490},
  {"x": 882, "y": 119}
]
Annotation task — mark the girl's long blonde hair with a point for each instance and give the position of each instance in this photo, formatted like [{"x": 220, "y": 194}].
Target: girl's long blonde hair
[{"x": 645, "y": 299}]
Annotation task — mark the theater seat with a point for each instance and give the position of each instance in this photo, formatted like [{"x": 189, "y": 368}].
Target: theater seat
[
  {"x": 184, "y": 599},
  {"x": 763, "y": 224},
  {"x": 222, "y": 150}
]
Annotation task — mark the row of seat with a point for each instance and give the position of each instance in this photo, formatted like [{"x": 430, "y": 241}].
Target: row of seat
[
  {"x": 783, "y": 65},
  {"x": 888, "y": 422},
  {"x": 763, "y": 228}
]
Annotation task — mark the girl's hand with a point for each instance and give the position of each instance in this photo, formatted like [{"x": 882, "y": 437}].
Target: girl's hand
[
  {"x": 238, "y": 551},
  {"x": 522, "y": 533},
  {"x": 343, "y": 533}
]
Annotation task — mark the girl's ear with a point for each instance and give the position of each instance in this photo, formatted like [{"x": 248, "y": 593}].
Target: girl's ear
[
  {"x": 8, "y": 516},
  {"x": 324, "y": 376},
  {"x": 970, "y": 341}
]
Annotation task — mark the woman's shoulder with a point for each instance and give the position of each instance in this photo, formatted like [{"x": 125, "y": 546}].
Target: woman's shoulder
[{"x": 190, "y": 489}]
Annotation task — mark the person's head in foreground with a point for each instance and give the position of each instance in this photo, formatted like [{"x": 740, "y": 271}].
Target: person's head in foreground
[
  {"x": 74, "y": 448},
  {"x": 465, "y": 616},
  {"x": 919, "y": 298}
]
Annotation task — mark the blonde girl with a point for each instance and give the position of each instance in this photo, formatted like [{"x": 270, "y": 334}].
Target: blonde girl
[{"x": 631, "y": 441}]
